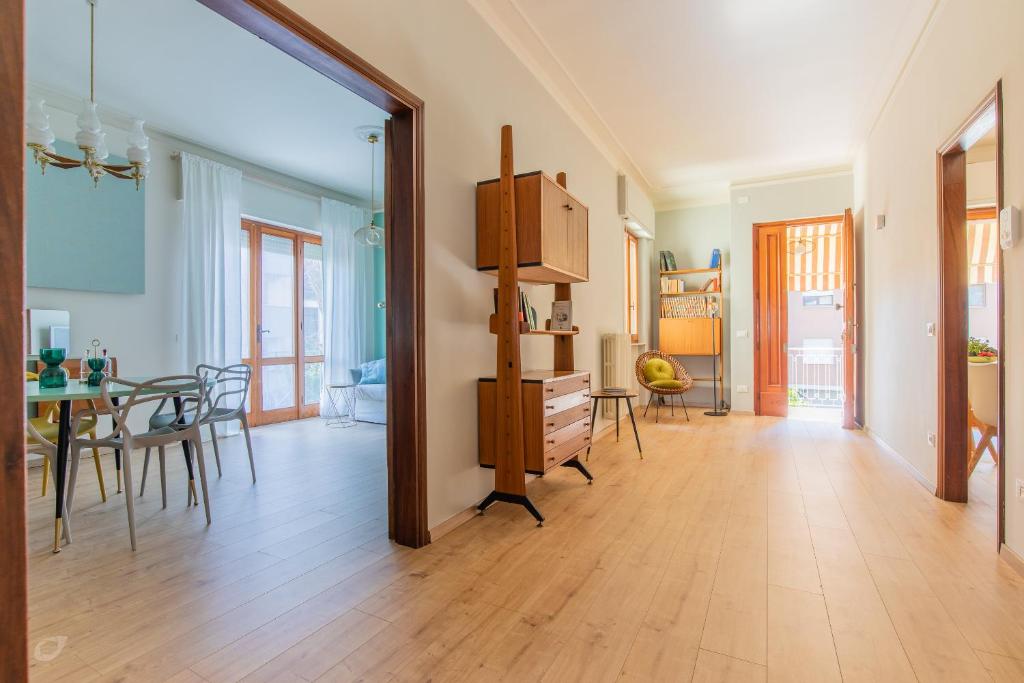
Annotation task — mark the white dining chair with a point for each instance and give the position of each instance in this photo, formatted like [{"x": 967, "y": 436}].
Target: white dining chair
[
  {"x": 982, "y": 410},
  {"x": 187, "y": 392},
  {"x": 226, "y": 391}
]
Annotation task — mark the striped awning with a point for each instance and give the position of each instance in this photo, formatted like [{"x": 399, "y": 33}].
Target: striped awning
[
  {"x": 815, "y": 263},
  {"x": 982, "y": 242}
]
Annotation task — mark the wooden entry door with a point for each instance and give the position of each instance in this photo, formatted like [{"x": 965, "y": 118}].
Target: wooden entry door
[
  {"x": 771, "y": 363},
  {"x": 849, "y": 296},
  {"x": 282, "y": 326}
]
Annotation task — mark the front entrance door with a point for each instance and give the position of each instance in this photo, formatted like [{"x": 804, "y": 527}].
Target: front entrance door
[{"x": 771, "y": 363}]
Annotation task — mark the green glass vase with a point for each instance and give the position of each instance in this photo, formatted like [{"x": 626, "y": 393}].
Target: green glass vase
[
  {"x": 53, "y": 375},
  {"x": 97, "y": 365}
]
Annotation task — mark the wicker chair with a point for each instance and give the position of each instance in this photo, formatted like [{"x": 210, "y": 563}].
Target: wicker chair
[{"x": 680, "y": 374}]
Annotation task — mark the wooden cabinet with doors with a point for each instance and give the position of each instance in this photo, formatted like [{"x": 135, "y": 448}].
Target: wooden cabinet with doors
[
  {"x": 551, "y": 225},
  {"x": 282, "y": 321}
]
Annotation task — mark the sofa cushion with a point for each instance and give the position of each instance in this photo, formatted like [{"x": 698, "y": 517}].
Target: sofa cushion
[
  {"x": 666, "y": 384},
  {"x": 373, "y": 372},
  {"x": 658, "y": 369}
]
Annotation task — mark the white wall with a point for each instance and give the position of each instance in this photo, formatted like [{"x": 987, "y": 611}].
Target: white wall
[
  {"x": 690, "y": 234},
  {"x": 896, "y": 176},
  {"x": 762, "y": 203},
  {"x": 445, "y": 53}
]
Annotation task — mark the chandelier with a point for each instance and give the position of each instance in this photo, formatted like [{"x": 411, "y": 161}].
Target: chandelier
[
  {"x": 798, "y": 246},
  {"x": 370, "y": 235},
  {"x": 90, "y": 137}
]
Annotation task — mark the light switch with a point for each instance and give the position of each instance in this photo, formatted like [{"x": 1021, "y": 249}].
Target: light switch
[
  {"x": 742, "y": 389},
  {"x": 742, "y": 334},
  {"x": 930, "y": 329}
]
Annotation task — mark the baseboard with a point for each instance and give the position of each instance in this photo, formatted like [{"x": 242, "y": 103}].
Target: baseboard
[
  {"x": 460, "y": 518},
  {"x": 452, "y": 523},
  {"x": 1011, "y": 558},
  {"x": 914, "y": 472}
]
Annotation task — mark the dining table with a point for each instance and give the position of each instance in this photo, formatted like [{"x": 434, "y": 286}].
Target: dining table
[{"x": 80, "y": 390}]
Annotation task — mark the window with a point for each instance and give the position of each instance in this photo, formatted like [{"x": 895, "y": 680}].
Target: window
[
  {"x": 977, "y": 295},
  {"x": 818, "y": 299},
  {"x": 632, "y": 288}
]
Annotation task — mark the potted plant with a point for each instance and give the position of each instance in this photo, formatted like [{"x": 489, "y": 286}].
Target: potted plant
[{"x": 980, "y": 351}]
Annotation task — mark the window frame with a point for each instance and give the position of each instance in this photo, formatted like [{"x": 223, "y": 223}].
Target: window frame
[{"x": 632, "y": 286}]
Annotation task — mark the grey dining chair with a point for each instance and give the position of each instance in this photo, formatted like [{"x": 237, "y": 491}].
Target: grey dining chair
[
  {"x": 226, "y": 391},
  {"x": 188, "y": 392}
]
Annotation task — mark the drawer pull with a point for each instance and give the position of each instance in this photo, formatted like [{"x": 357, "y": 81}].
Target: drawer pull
[
  {"x": 551, "y": 440},
  {"x": 550, "y": 390},
  {"x": 586, "y": 410},
  {"x": 550, "y": 424},
  {"x": 586, "y": 438},
  {"x": 550, "y": 407}
]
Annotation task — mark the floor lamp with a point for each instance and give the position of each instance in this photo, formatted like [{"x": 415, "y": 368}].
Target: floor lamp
[{"x": 713, "y": 312}]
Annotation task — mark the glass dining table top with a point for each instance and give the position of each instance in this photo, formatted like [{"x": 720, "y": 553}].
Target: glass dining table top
[{"x": 80, "y": 391}]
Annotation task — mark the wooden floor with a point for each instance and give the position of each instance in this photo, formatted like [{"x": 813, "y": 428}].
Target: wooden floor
[{"x": 740, "y": 549}]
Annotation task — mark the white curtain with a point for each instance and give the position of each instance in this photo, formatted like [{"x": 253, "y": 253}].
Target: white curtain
[
  {"x": 348, "y": 295},
  {"x": 211, "y": 281}
]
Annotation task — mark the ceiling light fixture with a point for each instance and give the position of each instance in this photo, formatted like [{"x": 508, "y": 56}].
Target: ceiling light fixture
[
  {"x": 798, "y": 246},
  {"x": 90, "y": 137},
  {"x": 370, "y": 235}
]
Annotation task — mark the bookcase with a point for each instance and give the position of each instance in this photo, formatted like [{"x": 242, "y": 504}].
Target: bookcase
[
  {"x": 685, "y": 327},
  {"x": 530, "y": 229}
]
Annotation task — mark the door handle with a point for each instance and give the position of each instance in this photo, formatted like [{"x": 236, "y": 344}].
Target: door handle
[{"x": 260, "y": 332}]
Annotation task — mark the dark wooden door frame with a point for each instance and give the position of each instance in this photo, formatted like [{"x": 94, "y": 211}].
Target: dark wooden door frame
[
  {"x": 953, "y": 435},
  {"x": 279, "y": 26}
]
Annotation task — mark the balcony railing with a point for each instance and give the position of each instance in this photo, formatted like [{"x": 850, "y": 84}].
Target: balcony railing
[{"x": 816, "y": 377}]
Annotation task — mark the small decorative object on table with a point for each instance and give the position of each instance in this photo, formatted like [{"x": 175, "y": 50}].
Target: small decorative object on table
[
  {"x": 53, "y": 375},
  {"x": 94, "y": 366},
  {"x": 980, "y": 351}
]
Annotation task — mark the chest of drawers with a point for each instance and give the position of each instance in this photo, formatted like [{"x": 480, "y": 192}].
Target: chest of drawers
[{"x": 556, "y": 417}]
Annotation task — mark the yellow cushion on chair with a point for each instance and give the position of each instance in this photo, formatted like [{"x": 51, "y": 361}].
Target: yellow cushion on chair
[
  {"x": 658, "y": 369},
  {"x": 666, "y": 384},
  {"x": 48, "y": 430}
]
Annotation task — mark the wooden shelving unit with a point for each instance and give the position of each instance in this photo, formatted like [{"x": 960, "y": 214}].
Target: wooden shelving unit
[
  {"x": 693, "y": 336},
  {"x": 530, "y": 229}
]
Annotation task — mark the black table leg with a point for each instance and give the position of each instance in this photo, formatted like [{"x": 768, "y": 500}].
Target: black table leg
[
  {"x": 593, "y": 416},
  {"x": 186, "y": 448},
  {"x": 616, "y": 420},
  {"x": 629, "y": 407},
  {"x": 60, "y": 469},
  {"x": 117, "y": 452}
]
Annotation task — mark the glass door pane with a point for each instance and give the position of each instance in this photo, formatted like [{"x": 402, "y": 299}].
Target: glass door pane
[
  {"x": 278, "y": 386},
  {"x": 277, "y": 324},
  {"x": 312, "y": 299},
  {"x": 246, "y": 284}
]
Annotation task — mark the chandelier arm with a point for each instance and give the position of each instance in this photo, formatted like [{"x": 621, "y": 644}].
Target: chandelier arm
[
  {"x": 117, "y": 168},
  {"x": 57, "y": 159},
  {"x": 118, "y": 174}
]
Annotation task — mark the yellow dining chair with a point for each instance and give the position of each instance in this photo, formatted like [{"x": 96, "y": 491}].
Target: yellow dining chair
[{"x": 41, "y": 438}]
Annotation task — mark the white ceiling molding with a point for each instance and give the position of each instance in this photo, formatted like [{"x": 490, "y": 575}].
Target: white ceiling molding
[
  {"x": 518, "y": 33},
  {"x": 793, "y": 178}
]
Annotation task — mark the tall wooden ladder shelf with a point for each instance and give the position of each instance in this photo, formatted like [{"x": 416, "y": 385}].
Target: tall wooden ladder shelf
[{"x": 530, "y": 229}]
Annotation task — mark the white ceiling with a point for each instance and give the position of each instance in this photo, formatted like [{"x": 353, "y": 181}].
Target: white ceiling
[
  {"x": 191, "y": 73},
  {"x": 695, "y": 94}
]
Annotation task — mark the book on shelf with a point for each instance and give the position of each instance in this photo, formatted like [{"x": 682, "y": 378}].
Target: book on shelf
[
  {"x": 561, "y": 316},
  {"x": 716, "y": 258},
  {"x": 685, "y": 307},
  {"x": 527, "y": 313},
  {"x": 672, "y": 286},
  {"x": 668, "y": 260}
]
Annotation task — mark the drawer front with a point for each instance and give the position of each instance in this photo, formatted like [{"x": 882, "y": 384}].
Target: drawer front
[
  {"x": 561, "y": 387},
  {"x": 553, "y": 406},
  {"x": 574, "y": 414},
  {"x": 566, "y": 433},
  {"x": 556, "y": 456}
]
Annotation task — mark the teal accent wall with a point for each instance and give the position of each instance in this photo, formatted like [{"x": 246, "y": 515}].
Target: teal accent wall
[
  {"x": 83, "y": 237},
  {"x": 379, "y": 294}
]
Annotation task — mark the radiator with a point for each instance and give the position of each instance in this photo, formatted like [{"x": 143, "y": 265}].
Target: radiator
[{"x": 616, "y": 368}]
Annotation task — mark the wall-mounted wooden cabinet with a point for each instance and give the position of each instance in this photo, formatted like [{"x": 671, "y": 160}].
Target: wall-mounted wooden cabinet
[
  {"x": 690, "y": 336},
  {"x": 552, "y": 235}
]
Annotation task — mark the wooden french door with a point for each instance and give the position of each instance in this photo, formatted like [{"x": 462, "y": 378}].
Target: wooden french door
[
  {"x": 283, "y": 323},
  {"x": 771, "y": 362},
  {"x": 849, "y": 295}
]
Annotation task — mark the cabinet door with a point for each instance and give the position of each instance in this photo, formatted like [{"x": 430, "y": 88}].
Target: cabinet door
[
  {"x": 578, "y": 249},
  {"x": 555, "y": 226}
]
